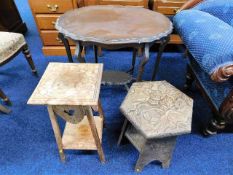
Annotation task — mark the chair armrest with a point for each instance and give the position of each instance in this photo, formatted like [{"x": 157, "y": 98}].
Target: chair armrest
[
  {"x": 209, "y": 40},
  {"x": 189, "y": 4}
]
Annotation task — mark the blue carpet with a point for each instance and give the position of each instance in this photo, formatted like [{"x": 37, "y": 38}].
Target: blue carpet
[{"x": 28, "y": 145}]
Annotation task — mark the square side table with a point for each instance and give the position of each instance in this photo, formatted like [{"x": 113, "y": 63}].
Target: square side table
[{"x": 71, "y": 91}]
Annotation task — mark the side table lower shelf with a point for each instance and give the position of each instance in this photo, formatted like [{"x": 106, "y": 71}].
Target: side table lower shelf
[{"x": 79, "y": 136}]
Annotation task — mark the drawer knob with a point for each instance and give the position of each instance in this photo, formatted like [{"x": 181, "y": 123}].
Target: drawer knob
[
  {"x": 53, "y": 22},
  {"x": 60, "y": 41},
  {"x": 52, "y": 8}
]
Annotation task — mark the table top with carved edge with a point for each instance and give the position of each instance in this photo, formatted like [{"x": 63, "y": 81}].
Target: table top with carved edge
[
  {"x": 158, "y": 109},
  {"x": 69, "y": 84},
  {"x": 110, "y": 24}
]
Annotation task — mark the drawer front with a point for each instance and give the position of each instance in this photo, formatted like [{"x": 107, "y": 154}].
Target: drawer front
[
  {"x": 56, "y": 50},
  {"x": 168, "y": 7},
  {"x": 143, "y": 3},
  {"x": 46, "y": 22},
  {"x": 51, "y": 6},
  {"x": 50, "y": 38}
]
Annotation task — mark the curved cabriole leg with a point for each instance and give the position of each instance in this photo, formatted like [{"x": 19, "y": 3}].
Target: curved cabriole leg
[
  {"x": 189, "y": 79},
  {"x": 28, "y": 57},
  {"x": 5, "y": 98},
  {"x": 67, "y": 47},
  {"x": 143, "y": 62},
  {"x": 131, "y": 70},
  {"x": 96, "y": 53},
  {"x": 78, "y": 52},
  {"x": 163, "y": 44}
]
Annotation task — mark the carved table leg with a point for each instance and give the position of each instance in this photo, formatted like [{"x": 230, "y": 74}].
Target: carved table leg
[
  {"x": 78, "y": 52},
  {"x": 95, "y": 134},
  {"x": 159, "y": 56},
  {"x": 143, "y": 62},
  {"x": 189, "y": 78},
  {"x": 156, "y": 149},
  {"x": 57, "y": 132},
  {"x": 131, "y": 70},
  {"x": 67, "y": 47},
  {"x": 123, "y": 130},
  {"x": 28, "y": 57},
  {"x": 96, "y": 53},
  {"x": 5, "y": 98}
]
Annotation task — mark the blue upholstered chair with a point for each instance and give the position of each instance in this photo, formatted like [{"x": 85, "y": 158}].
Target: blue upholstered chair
[{"x": 207, "y": 32}]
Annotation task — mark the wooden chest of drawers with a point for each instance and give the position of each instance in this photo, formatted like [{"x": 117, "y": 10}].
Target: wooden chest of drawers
[{"x": 46, "y": 13}]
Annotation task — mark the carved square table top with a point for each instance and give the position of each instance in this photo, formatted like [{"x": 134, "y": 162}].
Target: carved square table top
[
  {"x": 69, "y": 84},
  {"x": 158, "y": 109}
]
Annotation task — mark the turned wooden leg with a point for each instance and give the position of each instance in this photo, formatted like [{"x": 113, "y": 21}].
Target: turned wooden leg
[
  {"x": 5, "y": 98},
  {"x": 217, "y": 123},
  {"x": 95, "y": 134},
  {"x": 28, "y": 57},
  {"x": 57, "y": 132},
  {"x": 189, "y": 79}
]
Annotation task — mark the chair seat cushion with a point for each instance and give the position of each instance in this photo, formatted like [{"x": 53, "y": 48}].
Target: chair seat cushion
[
  {"x": 208, "y": 39},
  {"x": 10, "y": 43}
]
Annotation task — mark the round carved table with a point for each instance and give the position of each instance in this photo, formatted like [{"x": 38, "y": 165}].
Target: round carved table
[{"x": 115, "y": 27}]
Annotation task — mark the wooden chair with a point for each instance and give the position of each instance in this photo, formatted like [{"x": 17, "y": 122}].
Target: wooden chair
[{"x": 11, "y": 44}]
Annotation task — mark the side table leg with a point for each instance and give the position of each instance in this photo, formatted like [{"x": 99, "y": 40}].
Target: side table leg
[
  {"x": 94, "y": 131},
  {"x": 67, "y": 47},
  {"x": 96, "y": 53},
  {"x": 78, "y": 52},
  {"x": 131, "y": 70},
  {"x": 143, "y": 62},
  {"x": 101, "y": 112},
  {"x": 161, "y": 49},
  {"x": 124, "y": 127},
  {"x": 57, "y": 132}
]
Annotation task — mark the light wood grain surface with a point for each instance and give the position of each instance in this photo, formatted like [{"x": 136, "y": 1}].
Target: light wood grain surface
[{"x": 68, "y": 84}]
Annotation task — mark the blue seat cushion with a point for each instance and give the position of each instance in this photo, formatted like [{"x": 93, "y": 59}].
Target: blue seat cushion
[
  {"x": 208, "y": 39},
  {"x": 223, "y": 9},
  {"x": 216, "y": 91}
]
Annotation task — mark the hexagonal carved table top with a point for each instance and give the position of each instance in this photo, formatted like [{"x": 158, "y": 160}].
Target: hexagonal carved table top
[
  {"x": 158, "y": 109},
  {"x": 69, "y": 84}
]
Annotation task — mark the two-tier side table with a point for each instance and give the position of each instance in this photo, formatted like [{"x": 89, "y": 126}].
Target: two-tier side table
[
  {"x": 156, "y": 113},
  {"x": 115, "y": 27},
  {"x": 71, "y": 91}
]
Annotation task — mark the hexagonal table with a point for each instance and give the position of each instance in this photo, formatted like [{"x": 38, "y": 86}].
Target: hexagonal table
[{"x": 157, "y": 113}]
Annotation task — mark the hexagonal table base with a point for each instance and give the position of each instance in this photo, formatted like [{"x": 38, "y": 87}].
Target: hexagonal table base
[
  {"x": 156, "y": 113},
  {"x": 151, "y": 149}
]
